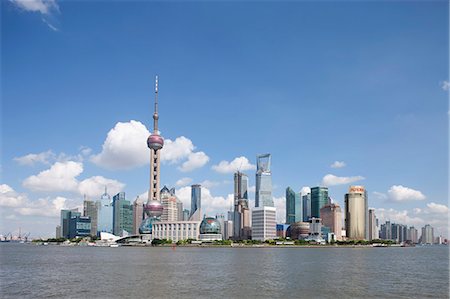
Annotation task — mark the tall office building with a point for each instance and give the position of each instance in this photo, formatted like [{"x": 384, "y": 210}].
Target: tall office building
[
  {"x": 221, "y": 219},
  {"x": 90, "y": 209},
  {"x": 153, "y": 209},
  {"x": 356, "y": 213},
  {"x": 294, "y": 206},
  {"x": 241, "y": 215},
  {"x": 332, "y": 218},
  {"x": 319, "y": 198},
  {"x": 138, "y": 214},
  {"x": 427, "y": 235},
  {"x": 264, "y": 225},
  {"x": 263, "y": 192},
  {"x": 105, "y": 213},
  {"x": 306, "y": 202},
  {"x": 412, "y": 235},
  {"x": 196, "y": 203},
  {"x": 180, "y": 216},
  {"x": 122, "y": 215},
  {"x": 58, "y": 232},
  {"x": 186, "y": 214},
  {"x": 386, "y": 231},
  {"x": 66, "y": 215},
  {"x": 373, "y": 226},
  {"x": 169, "y": 203}
]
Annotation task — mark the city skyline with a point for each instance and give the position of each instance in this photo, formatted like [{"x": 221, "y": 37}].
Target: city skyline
[{"x": 81, "y": 123}]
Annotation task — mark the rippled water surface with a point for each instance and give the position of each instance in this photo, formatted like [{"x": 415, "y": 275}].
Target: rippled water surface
[{"x": 140, "y": 272}]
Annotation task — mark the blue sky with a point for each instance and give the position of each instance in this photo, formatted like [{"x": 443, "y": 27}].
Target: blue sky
[{"x": 362, "y": 83}]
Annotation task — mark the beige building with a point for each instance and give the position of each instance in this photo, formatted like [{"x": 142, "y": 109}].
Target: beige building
[
  {"x": 138, "y": 214},
  {"x": 331, "y": 215},
  {"x": 176, "y": 230},
  {"x": 356, "y": 213},
  {"x": 169, "y": 203}
]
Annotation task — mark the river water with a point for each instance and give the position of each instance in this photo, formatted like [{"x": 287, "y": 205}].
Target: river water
[{"x": 31, "y": 271}]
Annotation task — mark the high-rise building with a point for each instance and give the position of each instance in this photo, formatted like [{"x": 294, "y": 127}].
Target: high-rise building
[
  {"x": 196, "y": 200},
  {"x": 319, "y": 198},
  {"x": 90, "y": 209},
  {"x": 58, "y": 232},
  {"x": 169, "y": 203},
  {"x": 138, "y": 214},
  {"x": 153, "y": 209},
  {"x": 356, "y": 213},
  {"x": 186, "y": 214},
  {"x": 180, "y": 216},
  {"x": 221, "y": 219},
  {"x": 66, "y": 215},
  {"x": 373, "y": 227},
  {"x": 123, "y": 215},
  {"x": 427, "y": 235},
  {"x": 241, "y": 215},
  {"x": 228, "y": 229},
  {"x": 264, "y": 225},
  {"x": 105, "y": 214},
  {"x": 306, "y": 201},
  {"x": 412, "y": 235},
  {"x": 332, "y": 218},
  {"x": 294, "y": 206},
  {"x": 263, "y": 192},
  {"x": 79, "y": 226}
]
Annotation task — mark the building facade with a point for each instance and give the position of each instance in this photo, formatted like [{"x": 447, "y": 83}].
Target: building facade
[
  {"x": 356, "y": 213},
  {"x": 169, "y": 203},
  {"x": 264, "y": 225},
  {"x": 332, "y": 218},
  {"x": 319, "y": 198},
  {"x": 123, "y": 215},
  {"x": 176, "y": 231},
  {"x": 241, "y": 214},
  {"x": 294, "y": 206},
  {"x": 196, "y": 203},
  {"x": 138, "y": 214},
  {"x": 373, "y": 225},
  {"x": 427, "y": 235},
  {"x": 79, "y": 226},
  {"x": 90, "y": 209},
  {"x": 105, "y": 214},
  {"x": 66, "y": 215},
  {"x": 263, "y": 186},
  {"x": 306, "y": 201}
]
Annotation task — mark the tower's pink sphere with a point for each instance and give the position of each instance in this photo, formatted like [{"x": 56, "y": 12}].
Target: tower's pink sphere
[
  {"x": 155, "y": 142},
  {"x": 153, "y": 209}
]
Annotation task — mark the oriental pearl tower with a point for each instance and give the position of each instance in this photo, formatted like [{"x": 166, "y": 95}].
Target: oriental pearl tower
[{"x": 153, "y": 208}]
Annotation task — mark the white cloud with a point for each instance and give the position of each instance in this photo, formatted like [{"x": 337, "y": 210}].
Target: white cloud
[
  {"x": 252, "y": 189},
  {"x": 338, "y": 164},
  {"x": 305, "y": 190},
  {"x": 60, "y": 177},
  {"x": 280, "y": 205},
  {"x": 435, "y": 208},
  {"x": 379, "y": 195},
  {"x": 332, "y": 180},
  {"x": 9, "y": 198},
  {"x": 183, "y": 182},
  {"x": 94, "y": 186},
  {"x": 43, "y": 6},
  {"x": 85, "y": 151},
  {"x": 125, "y": 147},
  {"x": 211, "y": 205},
  {"x": 239, "y": 163},
  {"x": 400, "y": 193},
  {"x": 31, "y": 159},
  {"x": 194, "y": 161},
  {"x": 445, "y": 85}
]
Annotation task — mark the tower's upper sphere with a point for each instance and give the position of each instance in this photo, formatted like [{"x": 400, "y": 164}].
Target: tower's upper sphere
[
  {"x": 155, "y": 142},
  {"x": 153, "y": 209}
]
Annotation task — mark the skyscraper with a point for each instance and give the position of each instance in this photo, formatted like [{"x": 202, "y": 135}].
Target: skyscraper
[
  {"x": 196, "y": 200},
  {"x": 412, "y": 235},
  {"x": 332, "y": 218},
  {"x": 356, "y": 213},
  {"x": 138, "y": 214},
  {"x": 306, "y": 201},
  {"x": 427, "y": 235},
  {"x": 373, "y": 227},
  {"x": 241, "y": 215},
  {"x": 66, "y": 215},
  {"x": 123, "y": 214},
  {"x": 319, "y": 198},
  {"x": 169, "y": 203},
  {"x": 153, "y": 209},
  {"x": 294, "y": 206},
  {"x": 264, "y": 225},
  {"x": 105, "y": 213},
  {"x": 180, "y": 216},
  {"x": 263, "y": 192},
  {"x": 90, "y": 209}
]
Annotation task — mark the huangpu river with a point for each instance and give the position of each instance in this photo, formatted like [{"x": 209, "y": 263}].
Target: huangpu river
[{"x": 31, "y": 271}]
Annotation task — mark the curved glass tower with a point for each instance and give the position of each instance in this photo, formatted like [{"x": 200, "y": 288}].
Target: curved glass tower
[{"x": 263, "y": 192}]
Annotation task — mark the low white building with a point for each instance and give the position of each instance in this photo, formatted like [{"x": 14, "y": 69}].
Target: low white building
[
  {"x": 264, "y": 224},
  {"x": 176, "y": 230}
]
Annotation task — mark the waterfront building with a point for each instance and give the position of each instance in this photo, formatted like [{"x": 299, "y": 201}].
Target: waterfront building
[
  {"x": 123, "y": 215},
  {"x": 169, "y": 203},
  {"x": 221, "y": 219},
  {"x": 263, "y": 188},
  {"x": 58, "y": 232},
  {"x": 196, "y": 203},
  {"x": 427, "y": 234},
  {"x": 294, "y": 206},
  {"x": 210, "y": 230},
  {"x": 153, "y": 209},
  {"x": 180, "y": 214},
  {"x": 66, "y": 215},
  {"x": 319, "y": 198},
  {"x": 176, "y": 231},
  {"x": 373, "y": 225},
  {"x": 79, "y": 226},
  {"x": 298, "y": 230},
  {"x": 332, "y": 218},
  {"x": 105, "y": 214},
  {"x": 356, "y": 213},
  {"x": 282, "y": 230},
  {"x": 138, "y": 214},
  {"x": 228, "y": 229},
  {"x": 241, "y": 214},
  {"x": 386, "y": 231},
  {"x": 90, "y": 209},
  {"x": 412, "y": 235},
  {"x": 264, "y": 223},
  {"x": 306, "y": 202}
]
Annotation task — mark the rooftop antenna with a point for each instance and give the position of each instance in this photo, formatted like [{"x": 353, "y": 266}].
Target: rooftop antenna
[{"x": 155, "y": 113}]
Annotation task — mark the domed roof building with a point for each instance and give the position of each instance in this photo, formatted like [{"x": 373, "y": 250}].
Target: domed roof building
[
  {"x": 298, "y": 230},
  {"x": 210, "y": 230}
]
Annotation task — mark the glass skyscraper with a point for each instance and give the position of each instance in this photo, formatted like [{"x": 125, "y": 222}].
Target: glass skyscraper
[
  {"x": 241, "y": 218},
  {"x": 123, "y": 214},
  {"x": 196, "y": 197},
  {"x": 319, "y": 198},
  {"x": 294, "y": 206},
  {"x": 306, "y": 201},
  {"x": 263, "y": 192},
  {"x": 105, "y": 214}
]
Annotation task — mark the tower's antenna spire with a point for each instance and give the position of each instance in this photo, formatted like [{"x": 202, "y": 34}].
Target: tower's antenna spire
[{"x": 155, "y": 114}]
